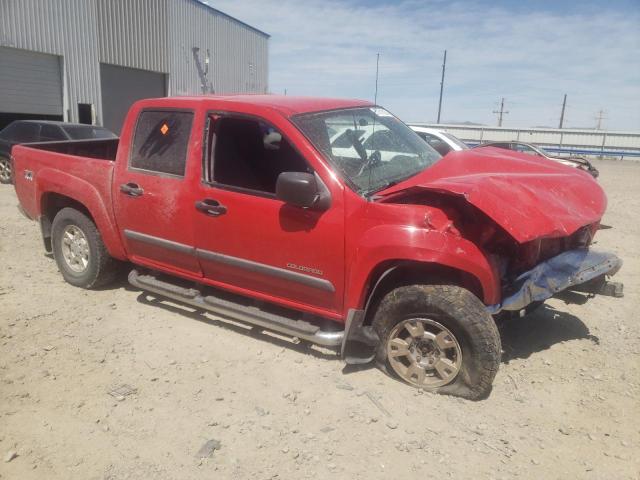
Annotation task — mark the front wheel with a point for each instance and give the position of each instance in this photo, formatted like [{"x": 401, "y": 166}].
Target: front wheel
[
  {"x": 5, "y": 170},
  {"x": 81, "y": 255},
  {"x": 440, "y": 338}
]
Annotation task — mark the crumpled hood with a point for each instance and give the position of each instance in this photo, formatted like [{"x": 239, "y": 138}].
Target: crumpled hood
[{"x": 528, "y": 197}]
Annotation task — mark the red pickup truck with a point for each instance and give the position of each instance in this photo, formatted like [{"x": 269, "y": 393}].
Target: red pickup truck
[{"x": 275, "y": 211}]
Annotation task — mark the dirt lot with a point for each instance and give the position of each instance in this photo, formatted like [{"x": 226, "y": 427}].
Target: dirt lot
[{"x": 566, "y": 402}]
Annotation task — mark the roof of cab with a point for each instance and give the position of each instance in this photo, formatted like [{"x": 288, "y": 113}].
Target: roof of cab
[{"x": 285, "y": 104}]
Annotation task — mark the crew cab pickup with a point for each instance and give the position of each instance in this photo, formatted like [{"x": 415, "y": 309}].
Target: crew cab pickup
[{"x": 241, "y": 205}]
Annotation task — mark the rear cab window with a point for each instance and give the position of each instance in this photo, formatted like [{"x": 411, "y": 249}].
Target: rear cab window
[{"x": 160, "y": 142}]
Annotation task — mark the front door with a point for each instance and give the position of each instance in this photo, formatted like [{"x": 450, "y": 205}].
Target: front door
[
  {"x": 253, "y": 243},
  {"x": 153, "y": 203}
]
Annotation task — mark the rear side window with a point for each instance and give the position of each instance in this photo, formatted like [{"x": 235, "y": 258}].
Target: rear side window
[
  {"x": 160, "y": 141},
  {"x": 24, "y": 132},
  {"x": 51, "y": 133}
]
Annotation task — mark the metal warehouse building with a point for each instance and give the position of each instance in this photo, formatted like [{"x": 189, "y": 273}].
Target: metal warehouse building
[{"x": 88, "y": 60}]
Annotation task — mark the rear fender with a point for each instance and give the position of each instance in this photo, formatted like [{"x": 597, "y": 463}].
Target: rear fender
[{"x": 50, "y": 181}]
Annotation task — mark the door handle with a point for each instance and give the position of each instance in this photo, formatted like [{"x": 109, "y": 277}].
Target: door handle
[
  {"x": 211, "y": 207},
  {"x": 131, "y": 189}
]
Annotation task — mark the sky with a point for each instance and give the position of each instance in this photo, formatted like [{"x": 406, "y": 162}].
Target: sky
[{"x": 531, "y": 53}]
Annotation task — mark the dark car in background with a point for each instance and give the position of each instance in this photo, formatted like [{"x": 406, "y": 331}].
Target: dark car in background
[
  {"x": 30, "y": 131},
  {"x": 522, "y": 147}
]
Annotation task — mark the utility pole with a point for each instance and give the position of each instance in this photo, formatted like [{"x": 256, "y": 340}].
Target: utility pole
[
  {"x": 599, "y": 118},
  {"x": 285, "y": 92},
  {"x": 564, "y": 105},
  {"x": 501, "y": 112},
  {"x": 375, "y": 95},
  {"x": 444, "y": 65}
]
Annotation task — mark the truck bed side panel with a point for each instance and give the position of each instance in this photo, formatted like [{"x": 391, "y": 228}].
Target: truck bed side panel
[{"x": 40, "y": 173}]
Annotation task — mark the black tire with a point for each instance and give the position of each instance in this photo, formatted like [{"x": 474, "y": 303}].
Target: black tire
[
  {"x": 101, "y": 268},
  {"x": 6, "y": 171},
  {"x": 463, "y": 315}
]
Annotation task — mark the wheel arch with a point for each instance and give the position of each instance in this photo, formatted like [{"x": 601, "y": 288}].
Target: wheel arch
[
  {"x": 50, "y": 204},
  {"x": 392, "y": 274},
  {"x": 52, "y": 200}
]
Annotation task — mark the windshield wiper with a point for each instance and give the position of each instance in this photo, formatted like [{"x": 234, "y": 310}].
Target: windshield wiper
[{"x": 387, "y": 184}]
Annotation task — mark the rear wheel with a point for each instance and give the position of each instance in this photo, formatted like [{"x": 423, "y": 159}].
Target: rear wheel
[
  {"x": 440, "y": 338},
  {"x": 82, "y": 257},
  {"x": 5, "y": 170}
]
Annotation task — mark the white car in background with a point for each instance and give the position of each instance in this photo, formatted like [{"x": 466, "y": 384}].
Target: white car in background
[
  {"x": 439, "y": 140},
  {"x": 372, "y": 138}
]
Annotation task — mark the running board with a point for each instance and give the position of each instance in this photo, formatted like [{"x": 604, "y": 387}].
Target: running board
[{"x": 237, "y": 311}]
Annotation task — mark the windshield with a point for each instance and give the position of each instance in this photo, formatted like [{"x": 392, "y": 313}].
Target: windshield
[{"x": 369, "y": 146}]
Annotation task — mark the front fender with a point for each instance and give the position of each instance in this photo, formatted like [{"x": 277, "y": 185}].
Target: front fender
[
  {"x": 388, "y": 244},
  {"x": 94, "y": 198}
]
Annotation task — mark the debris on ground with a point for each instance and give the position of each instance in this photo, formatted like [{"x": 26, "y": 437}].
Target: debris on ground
[
  {"x": 208, "y": 448},
  {"x": 11, "y": 454},
  {"x": 121, "y": 391}
]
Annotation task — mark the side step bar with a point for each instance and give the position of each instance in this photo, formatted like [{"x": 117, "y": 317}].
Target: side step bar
[{"x": 236, "y": 311}]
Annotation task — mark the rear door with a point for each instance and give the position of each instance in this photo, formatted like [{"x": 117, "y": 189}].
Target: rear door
[
  {"x": 251, "y": 242},
  {"x": 152, "y": 199}
]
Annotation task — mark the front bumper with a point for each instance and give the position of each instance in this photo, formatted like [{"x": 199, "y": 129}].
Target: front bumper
[{"x": 562, "y": 272}]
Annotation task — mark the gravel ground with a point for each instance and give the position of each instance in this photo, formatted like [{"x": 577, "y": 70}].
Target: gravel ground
[{"x": 565, "y": 402}]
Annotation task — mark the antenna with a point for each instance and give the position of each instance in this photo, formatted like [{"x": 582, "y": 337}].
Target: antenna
[
  {"x": 564, "y": 105},
  {"x": 501, "y": 112},
  {"x": 375, "y": 95},
  {"x": 444, "y": 65}
]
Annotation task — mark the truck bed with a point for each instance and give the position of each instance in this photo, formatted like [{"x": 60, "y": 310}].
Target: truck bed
[
  {"x": 54, "y": 166},
  {"x": 102, "y": 149}
]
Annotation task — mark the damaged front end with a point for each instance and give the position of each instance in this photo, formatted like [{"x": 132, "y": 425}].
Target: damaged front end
[
  {"x": 535, "y": 221},
  {"x": 581, "y": 269}
]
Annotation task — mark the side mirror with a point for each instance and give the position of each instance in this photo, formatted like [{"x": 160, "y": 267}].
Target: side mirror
[{"x": 303, "y": 190}]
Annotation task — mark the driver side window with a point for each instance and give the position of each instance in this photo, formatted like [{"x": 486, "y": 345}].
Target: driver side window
[{"x": 249, "y": 154}]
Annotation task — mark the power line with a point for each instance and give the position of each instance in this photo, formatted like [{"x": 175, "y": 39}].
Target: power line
[
  {"x": 444, "y": 66},
  {"x": 501, "y": 112}
]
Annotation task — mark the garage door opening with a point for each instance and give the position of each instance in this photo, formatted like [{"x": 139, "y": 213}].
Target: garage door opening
[
  {"x": 121, "y": 87},
  {"x": 6, "y": 117},
  {"x": 30, "y": 86}
]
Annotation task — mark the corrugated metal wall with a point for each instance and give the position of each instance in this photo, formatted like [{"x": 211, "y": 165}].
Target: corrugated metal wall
[
  {"x": 155, "y": 35},
  {"x": 66, "y": 28},
  {"x": 133, "y": 33},
  {"x": 238, "y": 54}
]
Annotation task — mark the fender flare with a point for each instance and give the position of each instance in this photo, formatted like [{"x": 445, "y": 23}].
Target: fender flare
[{"x": 50, "y": 181}]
